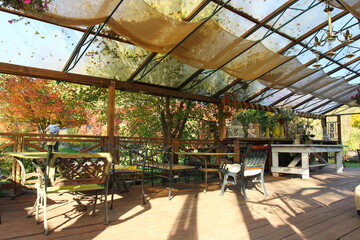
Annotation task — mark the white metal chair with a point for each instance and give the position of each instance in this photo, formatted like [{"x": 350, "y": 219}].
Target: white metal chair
[{"x": 252, "y": 167}]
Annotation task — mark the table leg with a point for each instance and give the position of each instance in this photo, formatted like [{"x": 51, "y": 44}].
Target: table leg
[
  {"x": 275, "y": 162},
  {"x": 205, "y": 176},
  {"x": 339, "y": 165},
  {"x": 305, "y": 165}
]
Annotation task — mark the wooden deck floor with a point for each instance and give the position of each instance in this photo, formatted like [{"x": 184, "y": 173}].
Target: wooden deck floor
[{"x": 318, "y": 208}]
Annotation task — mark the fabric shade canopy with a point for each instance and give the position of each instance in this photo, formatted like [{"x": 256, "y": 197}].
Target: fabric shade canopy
[{"x": 216, "y": 48}]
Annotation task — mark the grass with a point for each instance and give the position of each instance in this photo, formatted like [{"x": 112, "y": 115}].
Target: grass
[
  {"x": 352, "y": 164},
  {"x": 348, "y": 163}
]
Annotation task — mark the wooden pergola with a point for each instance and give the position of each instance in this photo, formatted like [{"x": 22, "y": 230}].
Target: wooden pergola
[
  {"x": 260, "y": 91},
  {"x": 274, "y": 58}
]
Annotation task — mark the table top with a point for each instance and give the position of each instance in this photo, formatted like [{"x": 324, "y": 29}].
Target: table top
[
  {"x": 204, "y": 153},
  {"x": 307, "y": 145},
  {"x": 28, "y": 155},
  {"x": 42, "y": 155}
]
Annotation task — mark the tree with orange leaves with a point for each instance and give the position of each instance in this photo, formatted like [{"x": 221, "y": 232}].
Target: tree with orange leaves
[{"x": 34, "y": 100}]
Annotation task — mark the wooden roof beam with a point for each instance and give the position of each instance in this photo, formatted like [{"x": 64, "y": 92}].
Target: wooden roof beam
[{"x": 13, "y": 69}]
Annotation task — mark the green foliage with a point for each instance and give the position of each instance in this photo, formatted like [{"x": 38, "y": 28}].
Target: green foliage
[
  {"x": 151, "y": 116},
  {"x": 300, "y": 126},
  {"x": 350, "y": 132},
  {"x": 265, "y": 119},
  {"x": 286, "y": 114},
  {"x": 246, "y": 116},
  {"x": 5, "y": 164},
  {"x": 38, "y": 102},
  {"x": 355, "y": 121},
  {"x": 27, "y": 5}
]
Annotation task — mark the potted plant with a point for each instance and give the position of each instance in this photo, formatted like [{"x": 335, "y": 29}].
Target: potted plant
[{"x": 285, "y": 117}]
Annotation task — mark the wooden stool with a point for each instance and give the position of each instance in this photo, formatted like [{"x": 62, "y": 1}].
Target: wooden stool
[{"x": 357, "y": 199}]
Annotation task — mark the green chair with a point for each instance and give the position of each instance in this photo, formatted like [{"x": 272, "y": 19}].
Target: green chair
[{"x": 73, "y": 173}]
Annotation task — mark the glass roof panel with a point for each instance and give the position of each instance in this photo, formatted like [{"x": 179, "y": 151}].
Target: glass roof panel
[
  {"x": 253, "y": 88},
  {"x": 257, "y": 12},
  {"x": 347, "y": 54},
  {"x": 247, "y": 90},
  {"x": 37, "y": 44},
  {"x": 288, "y": 102},
  {"x": 340, "y": 73},
  {"x": 354, "y": 66},
  {"x": 209, "y": 83},
  {"x": 325, "y": 108},
  {"x": 355, "y": 81},
  {"x": 304, "y": 56},
  {"x": 177, "y": 9},
  {"x": 270, "y": 96},
  {"x": 297, "y": 99},
  {"x": 34, "y": 43},
  {"x": 110, "y": 59},
  {"x": 328, "y": 66},
  {"x": 232, "y": 22},
  {"x": 169, "y": 73},
  {"x": 310, "y": 105},
  {"x": 299, "y": 21},
  {"x": 274, "y": 42},
  {"x": 207, "y": 11}
]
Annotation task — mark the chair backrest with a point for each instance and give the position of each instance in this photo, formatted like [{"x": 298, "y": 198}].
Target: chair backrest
[
  {"x": 79, "y": 168},
  {"x": 254, "y": 160}
]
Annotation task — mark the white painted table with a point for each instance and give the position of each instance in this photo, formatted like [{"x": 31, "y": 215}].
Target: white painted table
[{"x": 304, "y": 150}]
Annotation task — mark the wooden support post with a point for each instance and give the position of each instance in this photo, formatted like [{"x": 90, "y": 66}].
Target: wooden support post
[
  {"x": 339, "y": 129},
  {"x": 324, "y": 128},
  {"x": 221, "y": 121},
  {"x": 111, "y": 115}
]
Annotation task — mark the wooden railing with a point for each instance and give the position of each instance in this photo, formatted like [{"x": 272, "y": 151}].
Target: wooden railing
[
  {"x": 20, "y": 142},
  {"x": 28, "y": 142}
]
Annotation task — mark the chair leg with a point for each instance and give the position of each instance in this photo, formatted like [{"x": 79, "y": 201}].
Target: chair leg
[
  {"x": 46, "y": 228},
  {"x": 195, "y": 182},
  {"x": 170, "y": 187},
  {"x": 243, "y": 187},
  {"x": 263, "y": 183},
  {"x": 223, "y": 185},
  {"x": 142, "y": 188},
  {"x": 37, "y": 203},
  {"x": 94, "y": 205},
  {"x": 106, "y": 220},
  {"x": 152, "y": 176},
  {"x": 32, "y": 210},
  {"x": 112, "y": 191}
]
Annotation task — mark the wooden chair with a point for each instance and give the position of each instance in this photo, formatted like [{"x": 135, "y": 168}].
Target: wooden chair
[
  {"x": 72, "y": 173},
  {"x": 252, "y": 167}
]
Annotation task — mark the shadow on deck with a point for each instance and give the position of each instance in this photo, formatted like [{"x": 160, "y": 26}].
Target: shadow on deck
[{"x": 318, "y": 208}]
